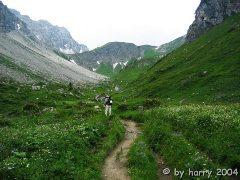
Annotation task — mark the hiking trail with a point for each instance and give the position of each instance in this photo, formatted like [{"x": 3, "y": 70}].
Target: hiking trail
[
  {"x": 115, "y": 167},
  {"x": 115, "y": 164}
]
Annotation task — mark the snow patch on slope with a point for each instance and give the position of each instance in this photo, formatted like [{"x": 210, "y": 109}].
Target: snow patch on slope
[
  {"x": 115, "y": 65},
  {"x": 73, "y": 61},
  {"x": 81, "y": 51},
  {"x": 38, "y": 37},
  {"x": 125, "y": 63},
  {"x": 121, "y": 63},
  {"x": 18, "y": 26},
  {"x": 67, "y": 51}
]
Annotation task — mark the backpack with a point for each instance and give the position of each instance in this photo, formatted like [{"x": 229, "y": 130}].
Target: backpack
[{"x": 109, "y": 102}]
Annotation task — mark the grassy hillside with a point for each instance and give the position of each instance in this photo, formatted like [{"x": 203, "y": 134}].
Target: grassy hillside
[
  {"x": 133, "y": 68},
  {"x": 193, "y": 136},
  {"x": 204, "y": 70},
  {"x": 170, "y": 101},
  {"x": 171, "y": 46},
  {"x": 136, "y": 67},
  {"x": 53, "y": 131},
  {"x": 105, "y": 69}
]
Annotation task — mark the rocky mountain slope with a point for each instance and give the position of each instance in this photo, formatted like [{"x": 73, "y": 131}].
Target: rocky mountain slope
[
  {"x": 24, "y": 60},
  {"x": 138, "y": 66},
  {"x": 9, "y": 22},
  {"x": 211, "y": 13},
  {"x": 113, "y": 53},
  {"x": 58, "y": 38}
]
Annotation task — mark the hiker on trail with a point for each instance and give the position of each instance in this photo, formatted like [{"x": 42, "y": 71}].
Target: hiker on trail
[{"x": 108, "y": 105}]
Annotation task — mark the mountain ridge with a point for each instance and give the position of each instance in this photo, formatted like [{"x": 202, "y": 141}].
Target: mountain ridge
[
  {"x": 112, "y": 52},
  {"x": 56, "y": 37},
  {"x": 9, "y": 22},
  {"x": 23, "y": 59},
  {"x": 138, "y": 66}
]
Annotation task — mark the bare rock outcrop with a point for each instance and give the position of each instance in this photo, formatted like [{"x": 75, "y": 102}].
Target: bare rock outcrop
[{"x": 210, "y": 13}]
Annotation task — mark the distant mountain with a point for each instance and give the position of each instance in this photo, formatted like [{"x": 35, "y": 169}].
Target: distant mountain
[
  {"x": 138, "y": 66},
  {"x": 58, "y": 38},
  {"x": 24, "y": 60},
  {"x": 211, "y": 13},
  {"x": 113, "y": 53},
  {"x": 9, "y": 22}
]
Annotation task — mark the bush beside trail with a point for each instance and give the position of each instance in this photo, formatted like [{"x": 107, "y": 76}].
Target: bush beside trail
[
  {"x": 193, "y": 136},
  {"x": 53, "y": 132}
]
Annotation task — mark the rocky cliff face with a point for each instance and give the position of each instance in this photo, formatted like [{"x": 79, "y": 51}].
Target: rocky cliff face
[
  {"x": 9, "y": 22},
  {"x": 209, "y": 14},
  {"x": 55, "y": 37}
]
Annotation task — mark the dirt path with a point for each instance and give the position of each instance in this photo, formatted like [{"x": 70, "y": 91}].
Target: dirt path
[{"x": 115, "y": 164}]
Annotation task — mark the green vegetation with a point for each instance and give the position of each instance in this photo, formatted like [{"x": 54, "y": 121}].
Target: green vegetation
[
  {"x": 105, "y": 69},
  {"x": 53, "y": 132},
  {"x": 108, "y": 70},
  {"x": 150, "y": 54},
  {"x": 187, "y": 104},
  {"x": 136, "y": 67},
  {"x": 194, "y": 136},
  {"x": 142, "y": 164},
  {"x": 130, "y": 73},
  {"x": 171, "y": 46},
  {"x": 204, "y": 70}
]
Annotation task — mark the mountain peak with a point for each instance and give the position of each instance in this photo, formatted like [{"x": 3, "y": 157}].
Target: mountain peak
[
  {"x": 111, "y": 54},
  {"x": 55, "y": 37},
  {"x": 210, "y": 13},
  {"x": 9, "y": 22}
]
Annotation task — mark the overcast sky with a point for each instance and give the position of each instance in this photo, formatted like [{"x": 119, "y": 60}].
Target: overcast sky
[{"x": 96, "y": 22}]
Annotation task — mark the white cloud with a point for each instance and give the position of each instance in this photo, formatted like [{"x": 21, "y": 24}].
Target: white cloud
[{"x": 95, "y": 22}]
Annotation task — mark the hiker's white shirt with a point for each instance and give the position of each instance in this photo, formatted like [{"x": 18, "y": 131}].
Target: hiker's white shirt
[{"x": 108, "y": 110}]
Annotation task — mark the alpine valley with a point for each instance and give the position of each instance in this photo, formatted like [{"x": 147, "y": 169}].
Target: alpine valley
[{"x": 174, "y": 106}]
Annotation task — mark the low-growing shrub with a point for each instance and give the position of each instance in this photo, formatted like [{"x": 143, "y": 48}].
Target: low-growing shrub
[
  {"x": 151, "y": 103},
  {"x": 210, "y": 131},
  {"x": 137, "y": 116},
  {"x": 31, "y": 107},
  {"x": 142, "y": 163},
  {"x": 66, "y": 139}
]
